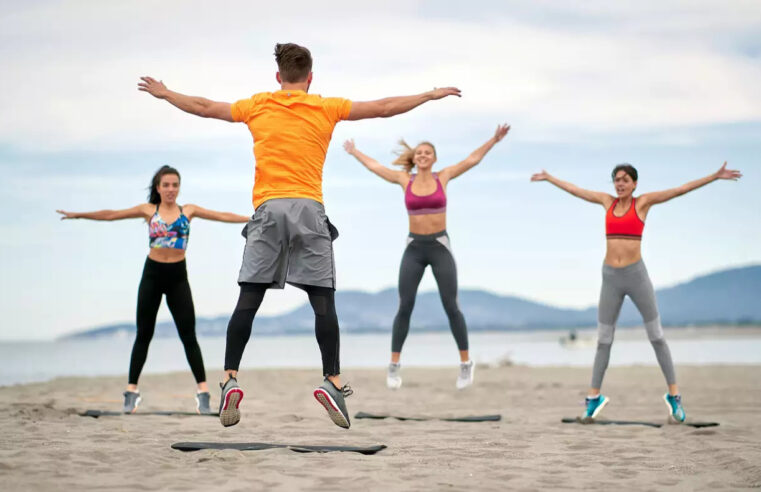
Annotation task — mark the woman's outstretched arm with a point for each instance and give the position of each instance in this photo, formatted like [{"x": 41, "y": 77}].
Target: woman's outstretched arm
[
  {"x": 475, "y": 157},
  {"x": 600, "y": 197},
  {"x": 649, "y": 199},
  {"x": 191, "y": 211},
  {"x": 390, "y": 175},
  {"x": 142, "y": 211}
]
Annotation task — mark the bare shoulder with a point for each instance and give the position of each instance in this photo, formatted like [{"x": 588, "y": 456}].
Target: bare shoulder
[
  {"x": 606, "y": 200},
  {"x": 189, "y": 210},
  {"x": 404, "y": 179}
]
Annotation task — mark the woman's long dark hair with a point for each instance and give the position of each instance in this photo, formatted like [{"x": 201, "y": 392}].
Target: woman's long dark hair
[{"x": 153, "y": 193}]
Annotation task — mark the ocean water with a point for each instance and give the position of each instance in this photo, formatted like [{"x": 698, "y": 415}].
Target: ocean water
[{"x": 24, "y": 362}]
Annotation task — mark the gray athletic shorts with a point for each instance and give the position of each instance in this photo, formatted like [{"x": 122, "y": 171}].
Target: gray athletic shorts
[{"x": 289, "y": 240}]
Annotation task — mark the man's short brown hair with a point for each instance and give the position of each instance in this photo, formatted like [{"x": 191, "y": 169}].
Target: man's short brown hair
[{"x": 293, "y": 61}]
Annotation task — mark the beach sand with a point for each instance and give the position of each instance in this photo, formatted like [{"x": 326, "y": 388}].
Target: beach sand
[{"x": 46, "y": 446}]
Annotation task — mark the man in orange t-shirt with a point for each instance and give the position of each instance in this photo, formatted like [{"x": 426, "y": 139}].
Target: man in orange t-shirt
[{"x": 289, "y": 238}]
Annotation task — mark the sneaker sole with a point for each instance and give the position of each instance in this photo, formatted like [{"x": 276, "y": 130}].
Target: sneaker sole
[
  {"x": 330, "y": 405},
  {"x": 672, "y": 419},
  {"x": 394, "y": 385},
  {"x": 230, "y": 414}
]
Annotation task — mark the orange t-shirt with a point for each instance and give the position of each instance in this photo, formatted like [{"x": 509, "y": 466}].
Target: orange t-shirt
[{"x": 291, "y": 130}]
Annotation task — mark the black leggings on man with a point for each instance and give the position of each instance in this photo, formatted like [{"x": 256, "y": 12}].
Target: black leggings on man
[
  {"x": 323, "y": 304},
  {"x": 170, "y": 279}
]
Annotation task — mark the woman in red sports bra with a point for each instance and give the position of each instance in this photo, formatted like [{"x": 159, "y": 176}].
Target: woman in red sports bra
[
  {"x": 624, "y": 273},
  {"x": 164, "y": 275},
  {"x": 428, "y": 242}
]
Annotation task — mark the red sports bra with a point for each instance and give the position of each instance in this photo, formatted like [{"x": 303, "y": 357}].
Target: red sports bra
[{"x": 628, "y": 226}]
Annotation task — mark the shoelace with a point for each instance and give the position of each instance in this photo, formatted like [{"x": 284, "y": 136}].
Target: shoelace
[{"x": 346, "y": 390}]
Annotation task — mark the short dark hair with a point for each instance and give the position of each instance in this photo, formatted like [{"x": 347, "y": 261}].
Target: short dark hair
[
  {"x": 627, "y": 168},
  {"x": 153, "y": 192},
  {"x": 294, "y": 62}
]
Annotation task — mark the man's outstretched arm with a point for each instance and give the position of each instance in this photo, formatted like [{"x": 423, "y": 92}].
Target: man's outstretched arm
[
  {"x": 198, "y": 106},
  {"x": 392, "y": 106}
]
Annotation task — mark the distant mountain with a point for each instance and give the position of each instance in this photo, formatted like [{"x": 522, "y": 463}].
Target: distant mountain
[{"x": 726, "y": 297}]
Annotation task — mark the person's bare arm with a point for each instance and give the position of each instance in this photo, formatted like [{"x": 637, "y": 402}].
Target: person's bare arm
[
  {"x": 198, "y": 106},
  {"x": 392, "y": 106},
  {"x": 647, "y": 200},
  {"x": 142, "y": 211},
  {"x": 390, "y": 175},
  {"x": 475, "y": 157},
  {"x": 192, "y": 211},
  {"x": 600, "y": 197}
]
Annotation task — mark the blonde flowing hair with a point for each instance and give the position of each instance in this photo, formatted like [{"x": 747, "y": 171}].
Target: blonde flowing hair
[{"x": 405, "y": 154}]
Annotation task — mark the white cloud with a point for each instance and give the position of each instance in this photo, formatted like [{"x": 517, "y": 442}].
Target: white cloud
[{"x": 554, "y": 71}]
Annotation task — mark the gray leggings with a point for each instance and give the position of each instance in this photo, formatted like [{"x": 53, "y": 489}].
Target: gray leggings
[
  {"x": 423, "y": 250},
  {"x": 631, "y": 280}
]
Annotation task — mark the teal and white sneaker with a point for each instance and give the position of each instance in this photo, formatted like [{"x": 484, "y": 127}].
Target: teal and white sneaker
[
  {"x": 131, "y": 401},
  {"x": 595, "y": 406},
  {"x": 676, "y": 411}
]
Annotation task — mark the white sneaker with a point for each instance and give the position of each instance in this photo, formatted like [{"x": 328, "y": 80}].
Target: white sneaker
[
  {"x": 393, "y": 379},
  {"x": 465, "y": 378}
]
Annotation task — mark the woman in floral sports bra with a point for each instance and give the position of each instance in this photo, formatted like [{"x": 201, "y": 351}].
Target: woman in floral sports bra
[
  {"x": 428, "y": 241},
  {"x": 624, "y": 273},
  {"x": 164, "y": 273}
]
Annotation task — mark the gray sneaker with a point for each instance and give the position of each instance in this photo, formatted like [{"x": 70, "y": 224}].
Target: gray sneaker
[
  {"x": 228, "y": 405},
  {"x": 332, "y": 399},
  {"x": 203, "y": 402},
  {"x": 131, "y": 401}
]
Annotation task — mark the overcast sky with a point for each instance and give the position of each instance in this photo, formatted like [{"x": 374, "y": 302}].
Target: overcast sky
[{"x": 672, "y": 87}]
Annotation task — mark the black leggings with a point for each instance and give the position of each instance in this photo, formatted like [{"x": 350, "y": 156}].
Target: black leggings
[
  {"x": 423, "y": 250},
  {"x": 323, "y": 304},
  {"x": 170, "y": 279}
]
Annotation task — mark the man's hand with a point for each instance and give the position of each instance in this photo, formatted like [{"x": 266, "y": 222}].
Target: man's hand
[
  {"x": 442, "y": 92},
  {"x": 154, "y": 87}
]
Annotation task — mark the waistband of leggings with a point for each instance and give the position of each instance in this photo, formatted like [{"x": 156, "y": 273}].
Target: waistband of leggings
[
  {"x": 638, "y": 265},
  {"x": 174, "y": 268},
  {"x": 428, "y": 237}
]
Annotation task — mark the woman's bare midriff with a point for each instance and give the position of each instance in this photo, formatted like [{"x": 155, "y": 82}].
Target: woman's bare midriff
[
  {"x": 428, "y": 224},
  {"x": 166, "y": 255},
  {"x": 623, "y": 252}
]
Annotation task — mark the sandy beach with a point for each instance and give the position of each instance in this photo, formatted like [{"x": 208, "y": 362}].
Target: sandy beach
[{"x": 45, "y": 445}]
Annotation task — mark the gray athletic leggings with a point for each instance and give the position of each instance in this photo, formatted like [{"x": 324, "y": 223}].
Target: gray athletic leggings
[
  {"x": 631, "y": 280},
  {"x": 423, "y": 250}
]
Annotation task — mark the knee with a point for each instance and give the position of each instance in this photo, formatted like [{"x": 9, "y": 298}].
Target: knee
[
  {"x": 406, "y": 305},
  {"x": 658, "y": 343},
  {"x": 605, "y": 334},
  {"x": 143, "y": 337},
  {"x": 654, "y": 329},
  {"x": 452, "y": 307}
]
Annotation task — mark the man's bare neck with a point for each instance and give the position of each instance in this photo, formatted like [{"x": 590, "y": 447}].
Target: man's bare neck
[{"x": 295, "y": 86}]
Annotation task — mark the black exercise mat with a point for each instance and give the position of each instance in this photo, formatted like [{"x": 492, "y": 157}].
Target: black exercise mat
[
  {"x": 579, "y": 420},
  {"x": 256, "y": 446},
  {"x": 165, "y": 413},
  {"x": 469, "y": 418}
]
